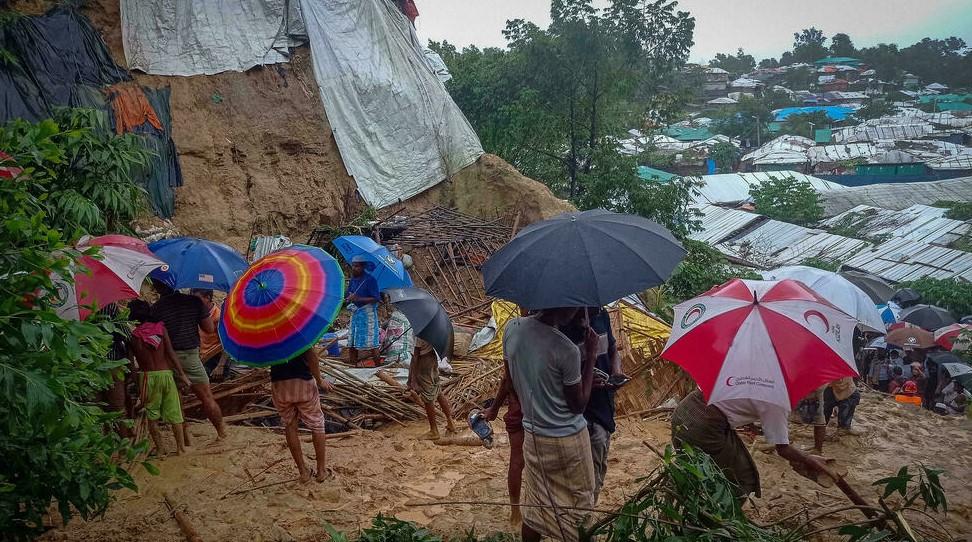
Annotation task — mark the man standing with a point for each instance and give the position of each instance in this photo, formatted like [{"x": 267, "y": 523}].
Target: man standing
[
  {"x": 600, "y": 407},
  {"x": 363, "y": 296},
  {"x": 554, "y": 385},
  {"x": 294, "y": 389},
  {"x": 183, "y": 316},
  {"x": 218, "y": 365},
  {"x": 513, "y": 419},
  {"x": 712, "y": 429}
]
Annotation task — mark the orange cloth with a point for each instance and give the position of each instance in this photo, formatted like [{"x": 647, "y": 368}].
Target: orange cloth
[
  {"x": 209, "y": 344},
  {"x": 131, "y": 108}
]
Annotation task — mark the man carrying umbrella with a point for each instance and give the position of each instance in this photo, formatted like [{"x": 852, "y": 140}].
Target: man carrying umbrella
[
  {"x": 184, "y": 315},
  {"x": 363, "y": 295}
]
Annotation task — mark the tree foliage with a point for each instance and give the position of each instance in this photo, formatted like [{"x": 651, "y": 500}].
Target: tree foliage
[
  {"x": 804, "y": 124},
  {"x": 53, "y": 437},
  {"x": 787, "y": 199},
  {"x": 808, "y": 45},
  {"x": 702, "y": 268},
  {"x": 875, "y": 109},
  {"x": 951, "y": 294},
  {"x": 841, "y": 45},
  {"x": 554, "y": 102},
  {"x": 737, "y": 64}
]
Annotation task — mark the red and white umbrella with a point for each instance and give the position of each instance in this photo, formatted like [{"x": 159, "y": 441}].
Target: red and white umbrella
[
  {"x": 772, "y": 341},
  {"x": 950, "y": 337},
  {"x": 116, "y": 273}
]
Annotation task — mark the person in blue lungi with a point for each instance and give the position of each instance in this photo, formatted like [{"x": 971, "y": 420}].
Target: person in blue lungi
[{"x": 362, "y": 299}]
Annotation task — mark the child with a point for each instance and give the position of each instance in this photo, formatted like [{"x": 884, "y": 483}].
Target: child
[
  {"x": 423, "y": 382},
  {"x": 151, "y": 348}
]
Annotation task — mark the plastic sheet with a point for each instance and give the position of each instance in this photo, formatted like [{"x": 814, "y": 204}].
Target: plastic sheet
[{"x": 398, "y": 130}]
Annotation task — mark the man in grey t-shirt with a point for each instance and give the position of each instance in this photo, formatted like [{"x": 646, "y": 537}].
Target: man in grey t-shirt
[{"x": 553, "y": 382}]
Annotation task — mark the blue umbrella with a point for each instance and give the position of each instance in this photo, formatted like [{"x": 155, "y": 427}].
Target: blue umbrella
[
  {"x": 387, "y": 270},
  {"x": 198, "y": 263},
  {"x": 887, "y": 314}
]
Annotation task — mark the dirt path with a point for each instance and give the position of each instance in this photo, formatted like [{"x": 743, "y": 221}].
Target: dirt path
[{"x": 390, "y": 470}]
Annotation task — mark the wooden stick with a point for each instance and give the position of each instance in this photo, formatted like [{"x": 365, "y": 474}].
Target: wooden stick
[
  {"x": 271, "y": 484},
  {"x": 184, "y": 524},
  {"x": 253, "y": 478}
]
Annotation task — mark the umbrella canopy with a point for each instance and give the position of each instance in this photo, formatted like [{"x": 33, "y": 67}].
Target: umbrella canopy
[
  {"x": 910, "y": 337},
  {"x": 281, "y": 306},
  {"x": 198, "y": 263},
  {"x": 839, "y": 291},
  {"x": 874, "y": 286},
  {"x": 927, "y": 316},
  {"x": 960, "y": 372},
  {"x": 772, "y": 341},
  {"x": 948, "y": 336},
  {"x": 889, "y": 312},
  {"x": 429, "y": 320},
  {"x": 880, "y": 342},
  {"x": 387, "y": 270},
  {"x": 582, "y": 259},
  {"x": 906, "y": 297},
  {"x": 115, "y": 274}
]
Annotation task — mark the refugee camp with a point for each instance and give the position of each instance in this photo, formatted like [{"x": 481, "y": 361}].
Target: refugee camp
[{"x": 440, "y": 271}]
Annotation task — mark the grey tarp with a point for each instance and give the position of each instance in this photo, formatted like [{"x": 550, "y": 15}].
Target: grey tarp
[
  {"x": 398, "y": 130},
  {"x": 203, "y": 37}
]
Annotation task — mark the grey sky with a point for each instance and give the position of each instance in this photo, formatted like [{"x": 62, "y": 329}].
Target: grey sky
[{"x": 762, "y": 27}]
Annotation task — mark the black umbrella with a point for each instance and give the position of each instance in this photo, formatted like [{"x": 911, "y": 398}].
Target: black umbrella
[
  {"x": 929, "y": 317},
  {"x": 906, "y": 297},
  {"x": 424, "y": 312},
  {"x": 582, "y": 259},
  {"x": 874, "y": 286}
]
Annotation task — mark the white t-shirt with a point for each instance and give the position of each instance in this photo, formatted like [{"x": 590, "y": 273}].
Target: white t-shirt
[
  {"x": 542, "y": 361},
  {"x": 773, "y": 418}
]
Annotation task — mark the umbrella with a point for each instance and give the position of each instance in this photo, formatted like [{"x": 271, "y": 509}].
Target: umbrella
[
  {"x": 281, "y": 306},
  {"x": 772, "y": 341},
  {"x": 927, "y": 316},
  {"x": 880, "y": 342},
  {"x": 913, "y": 337},
  {"x": 198, "y": 263},
  {"x": 837, "y": 290},
  {"x": 906, "y": 297},
  {"x": 116, "y": 274},
  {"x": 582, "y": 259},
  {"x": 428, "y": 319},
  {"x": 901, "y": 325},
  {"x": 960, "y": 372},
  {"x": 889, "y": 312},
  {"x": 948, "y": 336},
  {"x": 874, "y": 286},
  {"x": 387, "y": 270}
]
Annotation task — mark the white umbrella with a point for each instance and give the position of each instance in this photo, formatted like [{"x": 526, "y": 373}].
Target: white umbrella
[{"x": 841, "y": 292}]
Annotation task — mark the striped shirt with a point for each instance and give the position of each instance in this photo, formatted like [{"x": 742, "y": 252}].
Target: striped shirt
[{"x": 181, "y": 314}]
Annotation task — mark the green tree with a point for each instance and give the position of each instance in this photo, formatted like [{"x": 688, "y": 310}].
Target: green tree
[
  {"x": 769, "y": 63},
  {"x": 952, "y": 294},
  {"x": 787, "y": 199},
  {"x": 808, "y": 45},
  {"x": 702, "y": 268},
  {"x": 799, "y": 78},
  {"x": 743, "y": 119},
  {"x": 841, "y": 45},
  {"x": 557, "y": 97},
  {"x": 737, "y": 64},
  {"x": 875, "y": 109},
  {"x": 884, "y": 59},
  {"x": 804, "y": 124},
  {"x": 53, "y": 437},
  {"x": 726, "y": 156}
]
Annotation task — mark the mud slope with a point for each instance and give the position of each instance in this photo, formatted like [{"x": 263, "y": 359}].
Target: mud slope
[{"x": 256, "y": 148}]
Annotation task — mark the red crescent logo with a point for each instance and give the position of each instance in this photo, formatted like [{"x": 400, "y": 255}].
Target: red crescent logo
[
  {"x": 820, "y": 315},
  {"x": 729, "y": 382}
]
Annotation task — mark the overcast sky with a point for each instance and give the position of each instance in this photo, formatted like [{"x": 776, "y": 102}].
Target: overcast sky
[{"x": 762, "y": 27}]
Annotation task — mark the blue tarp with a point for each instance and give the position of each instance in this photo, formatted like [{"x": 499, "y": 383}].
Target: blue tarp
[{"x": 835, "y": 112}]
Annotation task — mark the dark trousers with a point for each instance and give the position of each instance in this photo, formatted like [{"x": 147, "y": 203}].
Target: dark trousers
[{"x": 845, "y": 408}]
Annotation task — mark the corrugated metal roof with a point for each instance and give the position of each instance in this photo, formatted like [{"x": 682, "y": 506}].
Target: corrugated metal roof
[
  {"x": 918, "y": 222},
  {"x": 838, "y": 153},
  {"x": 864, "y": 133},
  {"x": 784, "y": 143},
  {"x": 719, "y": 223},
  {"x": 961, "y": 162},
  {"x": 901, "y": 259},
  {"x": 734, "y": 187},
  {"x": 896, "y": 195},
  {"x": 774, "y": 243}
]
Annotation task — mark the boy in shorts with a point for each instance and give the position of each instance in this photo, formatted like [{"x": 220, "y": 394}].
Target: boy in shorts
[
  {"x": 423, "y": 382},
  {"x": 151, "y": 348}
]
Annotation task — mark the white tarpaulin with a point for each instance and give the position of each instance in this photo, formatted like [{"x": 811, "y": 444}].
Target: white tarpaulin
[
  {"x": 398, "y": 130},
  {"x": 203, "y": 37}
]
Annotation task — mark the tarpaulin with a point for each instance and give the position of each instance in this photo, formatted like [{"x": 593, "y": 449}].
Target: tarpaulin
[
  {"x": 51, "y": 55},
  {"x": 193, "y": 37},
  {"x": 163, "y": 173},
  {"x": 398, "y": 130}
]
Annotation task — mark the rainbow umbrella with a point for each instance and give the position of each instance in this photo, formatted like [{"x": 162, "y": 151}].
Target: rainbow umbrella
[{"x": 281, "y": 306}]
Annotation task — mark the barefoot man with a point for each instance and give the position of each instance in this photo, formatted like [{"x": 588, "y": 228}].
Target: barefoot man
[
  {"x": 152, "y": 350},
  {"x": 294, "y": 387},
  {"x": 183, "y": 316},
  {"x": 423, "y": 383}
]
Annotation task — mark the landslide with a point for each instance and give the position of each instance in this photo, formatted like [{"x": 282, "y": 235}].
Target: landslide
[{"x": 258, "y": 154}]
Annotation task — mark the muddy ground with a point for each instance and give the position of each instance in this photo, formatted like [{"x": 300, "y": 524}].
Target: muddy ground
[{"x": 391, "y": 472}]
